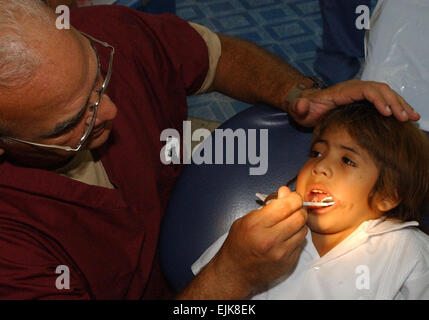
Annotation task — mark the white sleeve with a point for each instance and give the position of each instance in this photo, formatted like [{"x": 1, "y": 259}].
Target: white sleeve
[
  {"x": 208, "y": 255},
  {"x": 396, "y": 54},
  {"x": 416, "y": 286},
  {"x": 214, "y": 49}
]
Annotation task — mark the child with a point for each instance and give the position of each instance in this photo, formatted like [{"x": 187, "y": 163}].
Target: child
[{"x": 366, "y": 244}]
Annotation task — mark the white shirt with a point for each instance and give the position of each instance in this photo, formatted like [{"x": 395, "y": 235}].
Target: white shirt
[
  {"x": 396, "y": 52},
  {"x": 381, "y": 259}
]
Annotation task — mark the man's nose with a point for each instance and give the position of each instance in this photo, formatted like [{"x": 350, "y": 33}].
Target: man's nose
[{"x": 106, "y": 111}]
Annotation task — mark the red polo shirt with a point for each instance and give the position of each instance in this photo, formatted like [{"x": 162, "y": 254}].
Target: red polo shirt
[{"x": 106, "y": 238}]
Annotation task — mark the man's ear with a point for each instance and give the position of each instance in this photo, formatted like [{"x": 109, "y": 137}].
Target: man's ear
[{"x": 1, "y": 151}]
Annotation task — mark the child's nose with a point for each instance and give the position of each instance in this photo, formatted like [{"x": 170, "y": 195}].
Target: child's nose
[{"x": 322, "y": 168}]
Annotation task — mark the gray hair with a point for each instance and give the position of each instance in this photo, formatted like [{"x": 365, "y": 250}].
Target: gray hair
[{"x": 18, "y": 61}]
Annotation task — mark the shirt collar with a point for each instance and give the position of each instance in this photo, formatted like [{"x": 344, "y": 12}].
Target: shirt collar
[
  {"x": 384, "y": 224},
  {"x": 365, "y": 230}
]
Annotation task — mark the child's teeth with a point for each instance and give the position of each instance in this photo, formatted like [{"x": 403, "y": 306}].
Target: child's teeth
[{"x": 327, "y": 199}]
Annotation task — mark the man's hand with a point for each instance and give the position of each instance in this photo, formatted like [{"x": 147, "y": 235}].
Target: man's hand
[
  {"x": 314, "y": 103},
  {"x": 266, "y": 243},
  {"x": 260, "y": 247},
  {"x": 249, "y": 73}
]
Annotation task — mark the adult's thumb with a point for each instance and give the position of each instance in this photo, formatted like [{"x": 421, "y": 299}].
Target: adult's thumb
[{"x": 283, "y": 192}]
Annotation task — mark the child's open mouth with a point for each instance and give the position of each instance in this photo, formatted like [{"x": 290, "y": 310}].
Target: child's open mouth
[{"x": 318, "y": 198}]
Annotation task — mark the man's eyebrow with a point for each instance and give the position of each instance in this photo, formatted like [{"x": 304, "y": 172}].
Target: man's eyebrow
[{"x": 65, "y": 125}]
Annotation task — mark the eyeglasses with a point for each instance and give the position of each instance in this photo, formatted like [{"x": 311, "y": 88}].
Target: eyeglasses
[{"x": 93, "y": 107}]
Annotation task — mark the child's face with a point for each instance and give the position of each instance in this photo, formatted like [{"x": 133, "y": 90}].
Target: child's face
[{"x": 341, "y": 169}]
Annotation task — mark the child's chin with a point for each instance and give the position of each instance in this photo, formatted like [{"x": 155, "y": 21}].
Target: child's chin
[{"x": 318, "y": 225}]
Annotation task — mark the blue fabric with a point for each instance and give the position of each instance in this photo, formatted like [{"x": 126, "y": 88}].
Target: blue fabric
[
  {"x": 154, "y": 6},
  {"x": 135, "y": 4},
  {"x": 160, "y": 6},
  {"x": 343, "y": 44}
]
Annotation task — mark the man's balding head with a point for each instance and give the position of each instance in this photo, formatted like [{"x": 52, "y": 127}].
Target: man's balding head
[
  {"x": 46, "y": 78},
  {"x": 18, "y": 61}
]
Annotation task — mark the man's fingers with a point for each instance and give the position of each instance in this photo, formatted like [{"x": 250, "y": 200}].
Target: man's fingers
[
  {"x": 300, "y": 108},
  {"x": 373, "y": 95},
  {"x": 412, "y": 114},
  {"x": 286, "y": 228},
  {"x": 393, "y": 101},
  {"x": 300, "y": 244},
  {"x": 283, "y": 192},
  {"x": 296, "y": 240},
  {"x": 388, "y": 102},
  {"x": 313, "y": 103},
  {"x": 290, "y": 248},
  {"x": 281, "y": 208}
]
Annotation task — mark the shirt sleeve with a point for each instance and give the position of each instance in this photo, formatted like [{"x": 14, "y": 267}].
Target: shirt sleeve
[
  {"x": 32, "y": 268},
  {"x": 214, "y": 50},
  {"x": 416, "y": 286},
  {"x": 163, "y": 48},
  {"x": 171, "y": 51}
]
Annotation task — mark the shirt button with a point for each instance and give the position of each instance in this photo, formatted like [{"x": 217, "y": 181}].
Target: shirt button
[{"x": 316, "y": 268}]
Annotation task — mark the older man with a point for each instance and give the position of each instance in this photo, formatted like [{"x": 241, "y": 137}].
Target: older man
[{"x": 82, "y": 187}]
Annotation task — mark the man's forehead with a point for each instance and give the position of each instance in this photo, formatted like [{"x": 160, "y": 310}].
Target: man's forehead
[{"x": 61, "y": 78}]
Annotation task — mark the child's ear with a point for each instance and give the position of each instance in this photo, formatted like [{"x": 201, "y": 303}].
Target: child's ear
[{"x": 384, "y": 204}]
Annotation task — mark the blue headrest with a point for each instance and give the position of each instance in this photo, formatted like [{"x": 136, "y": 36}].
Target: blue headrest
[{"x": 209, "y": 197}]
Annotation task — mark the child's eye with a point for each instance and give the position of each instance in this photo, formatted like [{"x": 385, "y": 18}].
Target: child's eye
[
  {"x": 314, "y": 154},
  {"x": 349, "y": 162}
]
